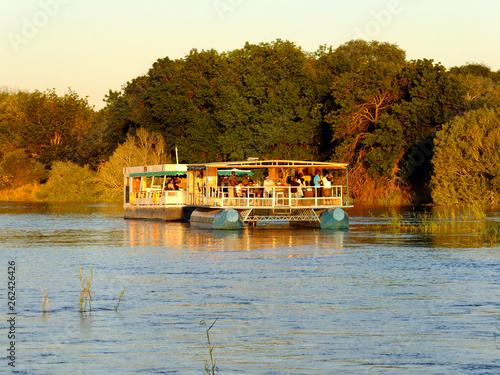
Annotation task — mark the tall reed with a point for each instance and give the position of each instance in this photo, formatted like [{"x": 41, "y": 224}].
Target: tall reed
[
  {"x": 491, "y": 232},
  {"x": 120, "y": 299},
  {"x": 45, "y": 301},
  {"x": 472, "y": 218},
  {"x": 86, "y": 293},
  {"x": 210, "y": 367}
]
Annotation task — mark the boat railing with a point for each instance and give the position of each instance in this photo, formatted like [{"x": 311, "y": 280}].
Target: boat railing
[
  {"x": 277, "y": 196},
  {"x": 158, "y": 197}
]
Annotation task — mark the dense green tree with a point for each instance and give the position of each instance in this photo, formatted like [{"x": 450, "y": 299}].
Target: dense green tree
[
  {"x": 113, "y": 123},
  {"x": 275, "y": 111},
  {"x": 174, "y": 98},
  {"x": 368, "y": 85},
  {"x": 256, "y": 101},
  {"x": 183, "y": 100},
  {"x": 366, "y": 81}
]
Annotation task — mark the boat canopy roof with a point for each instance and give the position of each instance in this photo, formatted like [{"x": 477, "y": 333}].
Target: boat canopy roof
[
  {"x": 253, "y": 164},
  {"x": 237, "y": 172},
  {"x": 240, "y": 167},
  {"x": 158, "y": 174},
  {"x": 174, "y": 170}
]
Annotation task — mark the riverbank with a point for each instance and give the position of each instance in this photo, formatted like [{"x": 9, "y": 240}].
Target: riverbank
[
  {"x": 25, "y": 193},
  {"x": 40, "y": 193}
]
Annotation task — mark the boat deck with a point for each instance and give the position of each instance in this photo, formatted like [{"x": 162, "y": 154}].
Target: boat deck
[
  {"x": 280, "y": 197},
  {"x": 205, "y": 188}
]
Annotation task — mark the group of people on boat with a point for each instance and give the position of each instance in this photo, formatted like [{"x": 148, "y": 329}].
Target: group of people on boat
[
  {"x": 319, "y": 185},
  {"x": 235, "y": 187},
  {"x": 307, "y": 186}
]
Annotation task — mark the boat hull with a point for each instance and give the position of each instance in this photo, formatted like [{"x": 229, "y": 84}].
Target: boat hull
[
  {"x": 216, "y": 219},
  {"x": 177, "y": 213},
  {"x": 334, "y": 219}
]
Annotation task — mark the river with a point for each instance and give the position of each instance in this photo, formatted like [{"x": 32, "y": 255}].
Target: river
[{"x": 284, "y": 301}]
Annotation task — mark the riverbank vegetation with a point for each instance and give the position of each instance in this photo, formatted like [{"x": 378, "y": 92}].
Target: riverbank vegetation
[
  {"x": 411, "y": 130},
  {"x": 452, "y": 220}
]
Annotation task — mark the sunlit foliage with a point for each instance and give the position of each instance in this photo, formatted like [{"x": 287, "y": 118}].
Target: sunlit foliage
[
  {"x": 143, "y": 148},
  {"x": 467, "y": 159},
  {"x": 69, "y": 182}
]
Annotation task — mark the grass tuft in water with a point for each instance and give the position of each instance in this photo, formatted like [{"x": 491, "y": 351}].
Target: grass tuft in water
[
  {"x": 491, "y": 232},
  {"x": 472, "y": 219},
  {"x": 45, "y": 301},
  {"x": 86, "y": 294},
  {"x": 210, "y": 367},
  {"x": 120, "y": 299}
]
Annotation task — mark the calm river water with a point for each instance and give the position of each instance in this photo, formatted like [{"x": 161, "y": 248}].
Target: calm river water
[{"x": 286, "y": 301}]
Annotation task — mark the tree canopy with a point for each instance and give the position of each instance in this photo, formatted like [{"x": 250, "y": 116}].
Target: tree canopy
[{"x": 362, "y": 103}]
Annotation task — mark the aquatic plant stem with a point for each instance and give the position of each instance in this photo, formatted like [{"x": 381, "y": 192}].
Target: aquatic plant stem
[
  {"x": 213, "y": 369},
  {"x": 120, "y": 299},
  {"x": 45, "y": 301},
  {"x": 86, "y": 294}
]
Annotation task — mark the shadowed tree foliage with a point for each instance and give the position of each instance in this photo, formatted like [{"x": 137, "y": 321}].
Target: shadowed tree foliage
[
  {"x": 256, "y": 101},
  {"x": 276, "y": 111},
  {"x": 181, "y": 100},
  {"x": 380, "y": 107},
  {"x": 17, "y": 169}
]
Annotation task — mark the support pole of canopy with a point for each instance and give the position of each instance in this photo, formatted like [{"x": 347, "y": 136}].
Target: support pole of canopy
[{"x": 176, "y": 156}]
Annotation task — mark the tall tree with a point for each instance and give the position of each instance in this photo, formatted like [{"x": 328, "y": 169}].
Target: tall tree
[
  {"x": 257, "y": 101},
  {"x": 275, "y": 111},
  {"x": 367, "y": 81},
  {"x": 380, "y": 107},
  {"x": 49, "y": 127}
]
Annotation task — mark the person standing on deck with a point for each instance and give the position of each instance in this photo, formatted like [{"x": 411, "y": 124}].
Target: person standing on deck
[
  {"x": 317, "y": 184},
  {"x": 268, "y": 187},
  {"x": 232, "y": 179},
  {"x": 327, "y": 186},
  {"x": 295, "y": 186},
  {"x": 232, "y": 187}
]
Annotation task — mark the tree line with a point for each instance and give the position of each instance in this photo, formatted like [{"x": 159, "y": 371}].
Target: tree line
[{"x": 411, "y": 130}]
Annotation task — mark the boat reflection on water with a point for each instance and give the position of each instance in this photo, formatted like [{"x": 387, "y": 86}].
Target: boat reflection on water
[{"x": 182, "y": 236}]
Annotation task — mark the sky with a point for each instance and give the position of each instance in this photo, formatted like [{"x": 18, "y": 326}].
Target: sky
[{"x": 94, "y": 46}]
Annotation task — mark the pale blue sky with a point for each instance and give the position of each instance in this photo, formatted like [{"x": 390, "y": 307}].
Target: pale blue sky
[{"x": 94, "y": 46}]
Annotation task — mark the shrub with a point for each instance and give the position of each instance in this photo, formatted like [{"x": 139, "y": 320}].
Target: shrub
[
  {"x": 17, "y": 169},
  {"x": 70, "y": 182}
]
